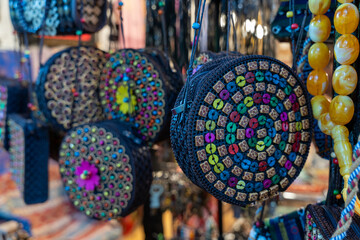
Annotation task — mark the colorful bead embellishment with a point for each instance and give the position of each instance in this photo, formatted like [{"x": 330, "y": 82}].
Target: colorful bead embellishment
[
  {"x": 264, "y": 148},
  {"x": 101, "y": 173},
  {"x": 133, "y": 88},
  {"x": 3, "y": 110}
]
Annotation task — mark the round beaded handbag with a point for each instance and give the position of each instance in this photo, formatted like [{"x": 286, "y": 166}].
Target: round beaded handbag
[
  {"x": 106, "y": 169},
  {"x": 28, "y": 16},
  {"x": 248, "y": 130},
  {"x": 67, "y": 87},
  {"x": 140, "y": 87}
]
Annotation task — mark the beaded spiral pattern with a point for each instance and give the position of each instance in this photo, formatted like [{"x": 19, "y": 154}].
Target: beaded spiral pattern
[
  {"x": 52, "y": 20},
  {"x": 67, "y": 87},
  {"x": 90, "y": 15},
  {"x": 17, "y": 153},
  {"x": 3, "y": 110},
  {"x": 249, "y": 130},
  {"x": 132, "y": 89},
  {"x": 28, "y": 16},
  {"x": 100, "y": 171}
]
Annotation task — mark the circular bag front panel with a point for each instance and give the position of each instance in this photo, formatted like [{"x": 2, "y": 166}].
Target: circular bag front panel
[
  {"x": 249, "y": 130},
  {"x": 133, "y": 89},
  {"x": 67, "y": 87},
  {"x": 100, "y": 171}
]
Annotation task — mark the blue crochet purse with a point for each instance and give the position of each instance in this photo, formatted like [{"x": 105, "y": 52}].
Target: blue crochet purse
[
  {"x": 29, "y": 154},
  {"x": 106, "y": 169},
  {"x": 28, "y": 16},
  {"x": 67, "y": 87}
]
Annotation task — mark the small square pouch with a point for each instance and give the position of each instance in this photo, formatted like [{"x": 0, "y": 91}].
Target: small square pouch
[{"x": 29, "y": 153}]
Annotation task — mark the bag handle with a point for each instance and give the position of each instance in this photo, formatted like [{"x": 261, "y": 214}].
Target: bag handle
[{"x": 197, "y": 28}]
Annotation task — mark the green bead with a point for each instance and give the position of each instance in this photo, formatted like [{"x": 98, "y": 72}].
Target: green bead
[
  {"x": 161, "y": 4},
  {"x": 336, "y": 192},
  {"x": 106, "y": 194},
  {"x": 78, "y": 32}
]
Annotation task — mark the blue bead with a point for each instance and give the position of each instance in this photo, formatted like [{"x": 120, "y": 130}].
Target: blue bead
[
  {"x": 86, "y": 130},
  {"x": 67, "y": 188},
  {"x": 85, "y": 139},
  {"x": 114, "y": 156},
  {"x": 121, "y": 3},
  {"x": 76, "y": 154},
  {"x": 79, "y": 132},
  {"x": 196, "y": 25}
]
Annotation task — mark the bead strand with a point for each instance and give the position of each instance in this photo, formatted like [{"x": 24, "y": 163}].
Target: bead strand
[
  {"x": 318, "y": 57},
  {"x": 333, "y": 116},
  {"x": 341, "y": 110}
]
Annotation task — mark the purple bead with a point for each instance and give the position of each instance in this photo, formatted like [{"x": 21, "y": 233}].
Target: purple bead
[
  {"x": 112, "y": 200},
  {"x": 128, "y": 70},
  {"x": 92, "y": 149},
  {"x": 98, "y": 198},
  {"x": 117, "y": 194}
]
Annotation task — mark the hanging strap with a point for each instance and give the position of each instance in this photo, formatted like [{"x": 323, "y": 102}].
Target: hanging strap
[
  {"x": 197, "y": 28},
  {"x": 161, "y": 12},
  {"x": 122, "y": 35},
  {"x": 77, "y": 85},
  {"x": 296, "y": 45}
]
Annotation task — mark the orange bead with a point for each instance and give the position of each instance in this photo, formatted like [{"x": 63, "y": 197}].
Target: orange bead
[
  {"x": 318, "y": 56},
  {"x": 341, "y": 110},
  {"x": 319, "y": 28},
  {"x": 320, "y": 104},
  {"x": 317, "y": 82},
  {"x": 325, "y": 123},
  {"x": 344, "y": 80},
  {"x": 319, "y": 7},
  {"x": 346, "y": 18},
  {"x": 346, "y": 49}
]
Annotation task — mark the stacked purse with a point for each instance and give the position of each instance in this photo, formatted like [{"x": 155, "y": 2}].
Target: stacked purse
[{"x": 54, "y": 17}]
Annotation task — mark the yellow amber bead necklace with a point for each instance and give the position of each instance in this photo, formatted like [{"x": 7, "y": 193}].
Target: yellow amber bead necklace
[{"x": 332, "y": 116}]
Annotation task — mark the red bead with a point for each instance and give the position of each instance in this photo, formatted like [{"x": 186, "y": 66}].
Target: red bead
[
  {"x": 294, "y": 26},
  {"x": 82, "y": 20},
  {"x": 335, "y": 161}
]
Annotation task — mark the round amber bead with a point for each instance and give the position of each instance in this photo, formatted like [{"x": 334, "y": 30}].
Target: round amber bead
[
  {"x": 341, "y": 110},
  {"x": 346, "y": 18},
  {"x": 325, "y": 124},
  {"x": 318, "y": 56},
  {"x": 344, "y": 80},
  {"x": 317, "y": 82},
  {"x": 319, "y": 105},
  {"x": 319, "y": 29},
  {"x": 346, "y": 49},
  {"x": 319, "y": 7}
]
